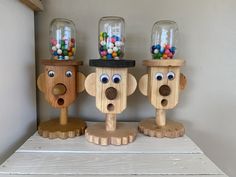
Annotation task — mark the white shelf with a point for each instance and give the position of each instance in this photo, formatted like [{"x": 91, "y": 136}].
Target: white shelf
[{"x": 76, "y": 157}]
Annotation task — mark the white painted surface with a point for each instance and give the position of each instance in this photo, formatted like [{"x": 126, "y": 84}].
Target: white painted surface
[
  {"x": 17, "y": 76},
  {"x": 77, "y": 157},
  {"x": 207, "y": 42},
  {"x": 183, "y": 145}
]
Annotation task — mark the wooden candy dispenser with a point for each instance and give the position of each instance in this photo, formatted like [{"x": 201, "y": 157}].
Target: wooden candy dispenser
[
  {"x": 162, "y": 85},
  {"x": 111, "y": 84},
  {"x": 60, "y": 84}
]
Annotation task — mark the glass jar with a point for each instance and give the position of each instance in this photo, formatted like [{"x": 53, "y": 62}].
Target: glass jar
[
  {"x": 164, "y": 39},
  {"x": 111, "y": 37},
  {"x": 62, "y": 39}
]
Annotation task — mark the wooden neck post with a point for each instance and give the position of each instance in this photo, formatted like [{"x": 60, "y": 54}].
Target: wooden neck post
[
  {"x": 110, "y": 122},
  {"x": 160, "y": 117},
  {"x": 63, "y": 116}
]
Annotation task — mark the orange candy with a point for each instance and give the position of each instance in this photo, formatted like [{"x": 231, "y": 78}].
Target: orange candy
[{"x": 114, "y": 54}]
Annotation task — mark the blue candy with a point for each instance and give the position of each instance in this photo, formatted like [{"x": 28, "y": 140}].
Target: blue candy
[
  {"x": 158, "y": 46},
  {"x": 153, "y": 48},
  {"x": 109, "y": 56},
  {"x": 172, "y": 49},
  {"x": 60, "y": 57},
  {"x": 55, "y": 53}
]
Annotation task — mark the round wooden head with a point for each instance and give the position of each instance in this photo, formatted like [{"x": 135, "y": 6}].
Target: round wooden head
[
  {"x": 60, "y": 82},
  {"x": 163, "y": 82},
  {"x": 110, "y": 86}
]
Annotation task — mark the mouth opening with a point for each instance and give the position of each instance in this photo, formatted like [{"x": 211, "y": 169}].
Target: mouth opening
[
  {"x": 164, "y": 102},
  {"x": 60, "y": 101},
  {"x": 110, "y": 107}
]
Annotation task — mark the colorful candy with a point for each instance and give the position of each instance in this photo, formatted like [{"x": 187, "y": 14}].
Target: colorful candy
[
  {"x": 163, "y": 52},
  {"x": 110, "y": 47},
  {"x": 63, "y": 49}
]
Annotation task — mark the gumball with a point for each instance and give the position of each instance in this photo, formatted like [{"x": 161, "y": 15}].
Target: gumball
[
  {"x": 162, "y": 50},
  {"x": 115, "y": 49},
  {"x": 59, "y": 51},
  {"x": 118, "y": 53},
  {"x": 116, "y": 58},
  {"x": 173, "y": 49},
  {"x": 70, "y": 54},
  {"x": 54, "y": 48},
  {"x": 117, "y": 43},
  {"x": 101, "y": 38},
  {"x": 158, "y": 46},
  {"x": 109, "y": 56},
  {"x": 60, "y": 57},
  {"x": 109, "y": 51},
  {"x": 55, "y": 57},
  {"x": 117, "y": 38},
  {"x": 167, "y": 51},
  {"x": 113, "y": 40},
  {"x": 66, "y": 57},
  {"x": 103, "y": 53},
  {"x": 72, "y": 40},
  {"x": 53, "y": 42},
  {"x": 58, "y": 46},
  {"x": 159, "y": 55},
  {"x": 164, "y": 56},
  {"x": 170, "y": 55},
  {"x": 55, "y": 53},
  {"x": 62, "y": 42},
  {"x": 167, "y": 46},
  {"x": 65, "y": 52},
  {"x": 104, "y": 34},
  {"x": 71, "y": 44},
  {"x": 110, "y": 45},
  {"x": 114, "y": 54},
  {"x": 103, "y": 43},
  {"x": 104, "y": 57},
  {"x": 156, "y": 51}
]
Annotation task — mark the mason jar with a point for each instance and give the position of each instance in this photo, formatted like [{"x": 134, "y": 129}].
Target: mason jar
[
  {"x": 62, "y": 39},
  {"x": 164, "y": 39},
  {"x": 111, "y": 37}
]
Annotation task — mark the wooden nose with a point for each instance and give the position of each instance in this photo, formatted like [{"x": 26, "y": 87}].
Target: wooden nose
[
  {"x": 164, "y": 90},
  {"x": 59, "y": 89},
  {"x": 111, "y": 93}
]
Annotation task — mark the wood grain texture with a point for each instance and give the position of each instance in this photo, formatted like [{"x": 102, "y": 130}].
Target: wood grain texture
[
  {"x": 54, "y": 129},
  {"x": 168, "y": 63},
  {"x": 60, "y": 175},
  {"x": 170, "y": 130},
  {"x": 123, "y": 175},
  {"x": 143, "y": 84},
  {"x": 35, "y": 5},
  {"x": 108, "y": 164},
  {"x": 182, "y": 145},
  {"x": 80, "y": 82},
  {"x": 41, "y": 82},
  {"x": 122, "y": 135},
  {"x": 90, "y": 84}
]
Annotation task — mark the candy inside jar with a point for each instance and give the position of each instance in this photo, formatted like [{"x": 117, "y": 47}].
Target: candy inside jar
[
  {"x": 164, "y": 39},
  {"x": 62, "y": 39},
  {"x": 111, "y": 38}
]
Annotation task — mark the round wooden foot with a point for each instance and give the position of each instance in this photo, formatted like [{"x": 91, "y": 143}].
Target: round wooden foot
[
  {"x": 123, "y": 134},
  {"x": 171, "y": 129},
  {"x": 53, "y": 129}
]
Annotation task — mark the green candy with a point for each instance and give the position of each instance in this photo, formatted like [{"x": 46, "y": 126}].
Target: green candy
[
  {"x": 104, "y": 35},
  {"x": 118, "y": 52},
  {"x": 65, "y": 52},
  {"x": 63, "y": 47},
  {"x": 62, "y": 42}
]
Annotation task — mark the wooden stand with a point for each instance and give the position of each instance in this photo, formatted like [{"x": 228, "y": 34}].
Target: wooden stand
[
  {"x": 111, "y": 99},
  {"x": 110, "y": 132},
  {"x": 160, "y": 128},
  {"x": 60, "y": 84},
  {"x": 163, "y": 93}
]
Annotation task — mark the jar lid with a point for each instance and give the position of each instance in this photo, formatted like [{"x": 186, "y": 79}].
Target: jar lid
[
  {"x": 61, "y": 62},
  {"x": 112, "y": 63}
]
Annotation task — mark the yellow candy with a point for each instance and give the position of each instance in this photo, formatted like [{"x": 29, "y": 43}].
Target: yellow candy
[
  {"x": 70, "y": 54},
  {"x": 104, "y": 57},
  {"x": 55, "y": 58},
  {"x": 164, "y": 56},
  {"x": 73, "y": 50},
  {"x": 101, "y": 38}
]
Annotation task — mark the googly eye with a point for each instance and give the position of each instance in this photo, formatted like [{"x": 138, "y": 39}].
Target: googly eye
[
  {"x": 104, "y": 78},
  {"x": 116, "y": 78},
  {"x": 159, "y": 76},
  {"x": 170, "y": 75},
  {"x": 51, "y": 73},
  {"x": 68, "y": 73}
]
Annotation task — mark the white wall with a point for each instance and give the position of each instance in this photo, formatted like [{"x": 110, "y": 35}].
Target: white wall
[
  {"x": 17, "y": 75},
  {"x": 208, "y": 43}
]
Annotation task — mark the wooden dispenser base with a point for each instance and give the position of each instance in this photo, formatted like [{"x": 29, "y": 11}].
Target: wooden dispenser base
[
  {"x": 170, "y": 130},
  {"x": 111, "y": 132},
  {"x": 62, "y": 128}
]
